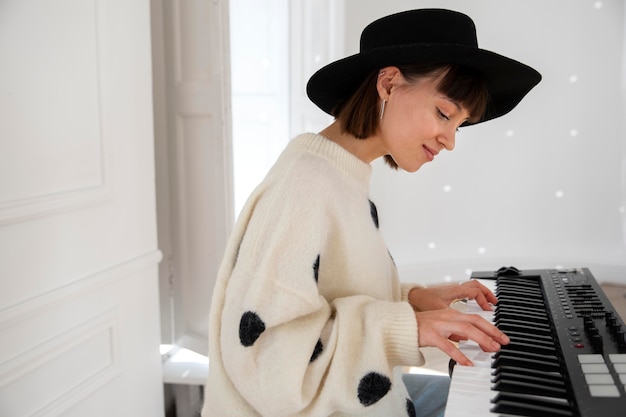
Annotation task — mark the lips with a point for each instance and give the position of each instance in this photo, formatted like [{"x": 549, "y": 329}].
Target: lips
[{"x": 430, "y": 153}]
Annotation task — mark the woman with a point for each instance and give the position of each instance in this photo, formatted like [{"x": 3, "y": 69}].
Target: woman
[{"x": 308, "y": 317}]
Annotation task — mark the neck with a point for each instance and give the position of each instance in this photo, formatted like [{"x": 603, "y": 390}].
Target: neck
[{"x": 366, "y": 149}]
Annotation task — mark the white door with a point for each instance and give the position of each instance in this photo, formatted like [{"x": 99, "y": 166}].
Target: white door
[{"x": 79, "y": 316}]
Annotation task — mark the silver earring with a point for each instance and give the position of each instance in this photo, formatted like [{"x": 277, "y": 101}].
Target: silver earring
[{"x": 382, "y": 109}]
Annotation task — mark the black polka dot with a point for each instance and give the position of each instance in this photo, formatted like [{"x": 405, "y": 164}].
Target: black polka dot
[
  {"x": 374, "y": 213},
  {"x": 372, "y": 388},
  {"x": 319, "y": 347},
  {"x": 410, "y": 408},
  {"x": 316, "y": 268},
  {"x": 250, "y": 328}
]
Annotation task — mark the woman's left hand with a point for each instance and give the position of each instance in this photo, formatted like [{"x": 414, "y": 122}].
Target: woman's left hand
[{"x": 441, "y": 296}]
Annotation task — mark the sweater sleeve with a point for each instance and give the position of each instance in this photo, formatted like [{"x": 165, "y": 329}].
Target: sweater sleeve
[
  {"x": 286, "y": 348},
  {"x": 406, "y": 289}
]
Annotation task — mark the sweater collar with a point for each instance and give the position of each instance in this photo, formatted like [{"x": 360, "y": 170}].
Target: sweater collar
[{"x": 345, "y": 161}]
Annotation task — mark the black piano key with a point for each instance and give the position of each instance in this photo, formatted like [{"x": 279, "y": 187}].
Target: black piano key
[
  {"x": 517, "y": 286},
  {"x": 534, "y": 310},
  {"x": 552, "y": 376},
  {"x": 506, "y": 359},
  {"x": 527, "y": 329},
  {"x": 539, "y": 318},
  {"x": 505, "y": 320},
  {"x": 523, "y": 387},
  {"x": 546, "y": 340},
  {"x": 527, "y": 285},
  {"x": 516, "y": 345},
  {"x": 537, "y": 379},
  {"x": 532, "y": 293},
  {"x": 523, "y": 354},
  {"x": 513, "y": 300},
  {"x": 530, "y": 406}
]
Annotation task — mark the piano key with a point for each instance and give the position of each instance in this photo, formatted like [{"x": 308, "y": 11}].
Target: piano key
[
  {"x": 537, "y": 317},
  {"x": 516, "y": 345},
  {"x": 522, "y": 354},
  {"x": 531, "y": 292},
  {"x": 528, "y": 329},
  {"x": 503, "y": 308},
  {"x": 547, "y": 340},
  {"x": 553, "y": 376},
  {"x": 531, "y": 406},
  {"x": 524, "y": 387},
  {"x": 511, "y": 300},
  {"x": 512, "y": 360},
  {"x": 505, "y": 320},
  {"x": 538, "y": 379},
  {"x": 471, "y": 388}
]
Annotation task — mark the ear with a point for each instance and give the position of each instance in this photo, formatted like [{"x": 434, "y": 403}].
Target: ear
[{"x": 388, "y": 77}]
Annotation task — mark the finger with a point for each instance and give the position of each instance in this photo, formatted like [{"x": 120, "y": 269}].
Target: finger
[
  {"x": 491, "y": 297},
  {"x": 488, "y": 336},
  {"x": 457, "y": 338},
  {"x": 483, "y": 296},
  {"x": 477, "y": 329},
  {"x": 474, "y": 333},
  {"x": 452, "y": 351},
  {"x": 484, "y": 302}
]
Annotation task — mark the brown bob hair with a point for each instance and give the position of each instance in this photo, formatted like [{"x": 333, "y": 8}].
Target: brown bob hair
[{"x": 359, "y": 114}]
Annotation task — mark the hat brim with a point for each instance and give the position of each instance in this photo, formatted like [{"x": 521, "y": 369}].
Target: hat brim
[{"x": 507, "y": 80}]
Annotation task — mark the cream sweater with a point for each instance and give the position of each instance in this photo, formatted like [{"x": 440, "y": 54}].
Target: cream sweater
[{"x": 308, "y": 317}]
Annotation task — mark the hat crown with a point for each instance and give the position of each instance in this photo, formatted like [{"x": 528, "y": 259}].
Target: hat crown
[{"x": 424, "y": 26}]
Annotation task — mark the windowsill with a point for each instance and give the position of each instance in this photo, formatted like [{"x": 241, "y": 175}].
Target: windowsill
[{"x": 183, "y": 366}]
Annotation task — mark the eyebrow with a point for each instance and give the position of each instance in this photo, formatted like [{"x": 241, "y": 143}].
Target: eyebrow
[
  {"x": 458, "y": 106},
  {"x": 456, "y": 103}
]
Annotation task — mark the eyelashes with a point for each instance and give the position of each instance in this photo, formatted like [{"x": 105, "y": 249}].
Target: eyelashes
[
  {"x": 447, "y": 118},
  {"x": 441, "y": 114}
]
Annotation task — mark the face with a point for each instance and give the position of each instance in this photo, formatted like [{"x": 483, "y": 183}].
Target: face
[{"x": 418, "y": 120}]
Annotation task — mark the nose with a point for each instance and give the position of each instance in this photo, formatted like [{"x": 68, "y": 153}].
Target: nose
[{"x": 447, "y": 139}]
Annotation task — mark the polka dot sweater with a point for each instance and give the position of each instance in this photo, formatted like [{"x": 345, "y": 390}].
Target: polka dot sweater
[{"x": 308, "y": 317}]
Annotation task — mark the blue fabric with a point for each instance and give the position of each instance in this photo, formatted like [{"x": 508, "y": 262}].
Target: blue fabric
[{"x": 429, "y": 393}]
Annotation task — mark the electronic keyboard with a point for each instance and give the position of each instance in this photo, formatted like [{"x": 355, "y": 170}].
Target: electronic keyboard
[{"x": 567, "y": 355}]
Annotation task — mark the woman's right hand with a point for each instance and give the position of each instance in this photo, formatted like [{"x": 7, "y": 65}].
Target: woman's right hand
[{"x": 439, "y": 328}]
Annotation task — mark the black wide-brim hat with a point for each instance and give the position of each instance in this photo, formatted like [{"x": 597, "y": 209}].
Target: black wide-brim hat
[{"x": 428, "y": 36}]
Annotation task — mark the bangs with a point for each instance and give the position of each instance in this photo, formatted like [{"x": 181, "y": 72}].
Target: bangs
[
  {"x": 461, "y": 84},
  {"x": 468, "y": 88}
]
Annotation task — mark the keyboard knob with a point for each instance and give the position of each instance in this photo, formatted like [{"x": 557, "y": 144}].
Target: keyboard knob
[
  {"x": 616, "y": 328},
  {"x": 596, "y": 343},
  {"x": 508, "y": 271}
]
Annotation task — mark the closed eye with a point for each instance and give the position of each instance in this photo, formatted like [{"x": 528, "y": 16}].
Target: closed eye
[{"x": 442, "y": 115}]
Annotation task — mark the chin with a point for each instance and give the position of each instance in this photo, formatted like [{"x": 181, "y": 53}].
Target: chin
[{"x": 412, "y": 169}]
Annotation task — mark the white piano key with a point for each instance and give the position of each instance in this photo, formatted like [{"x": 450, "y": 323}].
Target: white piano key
[
  {"x": 470, "y": 390},
  {"x": 470, "y": 386}
]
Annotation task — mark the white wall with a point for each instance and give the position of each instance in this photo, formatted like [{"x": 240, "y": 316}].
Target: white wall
[
  {"x": 544, "y": 186},
  {"x": 541, "y": 187}
]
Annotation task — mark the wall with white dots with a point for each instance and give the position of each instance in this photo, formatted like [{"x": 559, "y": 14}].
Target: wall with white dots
[{"x": 542, "y": 187}]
